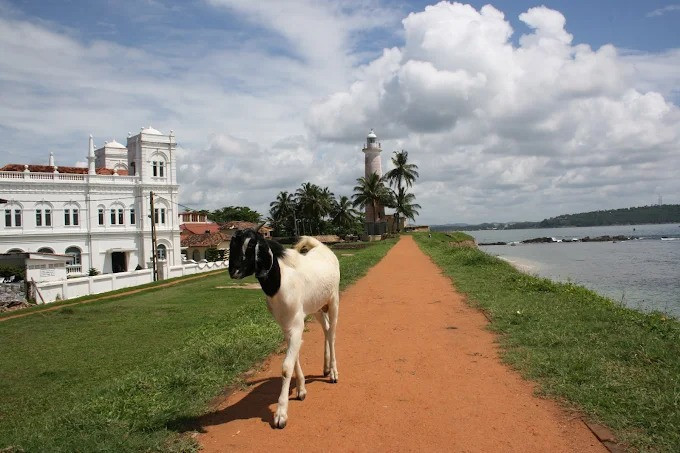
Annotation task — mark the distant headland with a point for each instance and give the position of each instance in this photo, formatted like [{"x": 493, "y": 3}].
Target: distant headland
[{"x": 665, "y": 213}]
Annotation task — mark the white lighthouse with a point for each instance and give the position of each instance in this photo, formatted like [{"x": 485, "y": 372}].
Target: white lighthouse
[{"x": 372, "y": 165}]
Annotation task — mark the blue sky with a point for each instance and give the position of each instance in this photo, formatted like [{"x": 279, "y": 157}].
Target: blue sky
[
  {"x": 525, "y": 117},
  {"x": 625, "y": 23}
]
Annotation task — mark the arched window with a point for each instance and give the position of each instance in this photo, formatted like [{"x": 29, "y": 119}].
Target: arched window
[
  {"x": 43, "y": 214},
  {"x": 75, "y": 254},
  {"x": 45, "y": 250},
  {"x": 158, "y": 165},
  {"x": 71, "y": 214},
  {"x": 101, "y": 214},
  {"x": 196, "y": 255},
  {"x": 117, "y": 216},
  {"x": 161, "y": 252},
  {"x": 13, "y": 214},
  {"x": 15, "y": 251}
]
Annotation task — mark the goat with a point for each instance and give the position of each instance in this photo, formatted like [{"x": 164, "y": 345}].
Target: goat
[{"x": 296, "y": 285}]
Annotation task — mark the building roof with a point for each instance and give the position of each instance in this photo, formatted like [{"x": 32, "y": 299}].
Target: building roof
[
  {"x": 372, "y": 134},
  {"x": 151, "y": 130},
  {"x": 114, "y": 144},
  {"x": 241, "y": 225},
  {"x": 212, "y": 239},
  {"x": 199, "y": 227},
  {"x": 60, "y": 169}
]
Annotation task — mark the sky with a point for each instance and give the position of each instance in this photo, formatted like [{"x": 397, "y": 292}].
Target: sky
[{"x": 513, "y": 110}]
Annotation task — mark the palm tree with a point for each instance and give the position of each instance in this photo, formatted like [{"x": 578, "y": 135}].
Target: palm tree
[
  {"x": 371, "y": 190},
  {"x": 282, "y": 210},
  {"x": 314, "y": 203},
  {"x": 404, "y": 205},
  {"x": 344, "y": 216},
  {"x": 403, "y": 172}
]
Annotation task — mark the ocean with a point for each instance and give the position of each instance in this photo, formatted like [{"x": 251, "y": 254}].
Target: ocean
[{"x": 643, "y": 274}]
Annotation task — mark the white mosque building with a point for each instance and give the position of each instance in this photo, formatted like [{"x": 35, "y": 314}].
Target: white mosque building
[{"x": 100, "y": 215}]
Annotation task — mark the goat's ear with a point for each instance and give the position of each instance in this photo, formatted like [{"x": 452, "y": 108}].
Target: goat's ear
[{"x": 264, "y": 258}]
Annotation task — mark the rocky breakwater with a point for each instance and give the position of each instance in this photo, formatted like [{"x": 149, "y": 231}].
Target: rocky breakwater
[{"x": 606, "y": 238}]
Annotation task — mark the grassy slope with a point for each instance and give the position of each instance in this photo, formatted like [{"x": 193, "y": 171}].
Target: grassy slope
[
  {"x": 114, "y": 375},
  {"x": 620, "y": 366}
]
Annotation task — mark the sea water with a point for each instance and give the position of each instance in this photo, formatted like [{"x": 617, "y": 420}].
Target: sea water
[{"x": 643, "y": 273}]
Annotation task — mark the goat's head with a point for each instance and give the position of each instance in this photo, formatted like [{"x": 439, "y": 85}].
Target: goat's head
[{"x": 249, "y": 254}]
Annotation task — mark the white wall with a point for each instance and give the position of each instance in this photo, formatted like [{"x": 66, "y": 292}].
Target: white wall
[{"x": 83, "y": 286}]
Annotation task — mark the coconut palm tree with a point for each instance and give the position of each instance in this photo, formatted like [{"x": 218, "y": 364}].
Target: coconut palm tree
[
  {"x": 344, "y": 216},
  {"x": 282, "y": 211},
  {"x": 403, "y": 172},
  {"x": 371, "y": 190},
  {"x": 314, "y": 204},
  {"x": 404, "y": 205}
]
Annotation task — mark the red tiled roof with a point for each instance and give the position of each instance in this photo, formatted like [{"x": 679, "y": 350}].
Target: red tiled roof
[
  {"x": 198, "y": 228},
  {"x": 241, "y": 225},
  {"x": 71, "y": 170},
  {"x": 205, "y": 240}
]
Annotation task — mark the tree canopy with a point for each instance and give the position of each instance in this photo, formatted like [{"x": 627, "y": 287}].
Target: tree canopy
[{"x": 229, "y": 213}]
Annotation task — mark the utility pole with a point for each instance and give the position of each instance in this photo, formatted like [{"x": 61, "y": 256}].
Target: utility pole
[{"x": 153, "y": 237}]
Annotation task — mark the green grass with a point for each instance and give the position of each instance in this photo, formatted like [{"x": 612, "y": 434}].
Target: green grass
[
  {"x": 619, "y": 366},
  {"x": 147, "y": 286},
  {"x": 121, "y": 374}
]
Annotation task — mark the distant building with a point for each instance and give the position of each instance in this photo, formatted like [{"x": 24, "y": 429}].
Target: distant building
[
  {"x": 99, "y": 215},
  {"x": 200, "y": 235}
]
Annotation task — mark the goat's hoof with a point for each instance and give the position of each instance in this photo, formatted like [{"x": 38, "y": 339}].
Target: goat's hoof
[
  {"x": 302, "y": 395},
  {"x": 334, "y": 377},
  {"x": 280, "y": 421}
]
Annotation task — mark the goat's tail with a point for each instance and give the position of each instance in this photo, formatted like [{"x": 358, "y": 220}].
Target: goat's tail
[{"x": 307, "y": 242}]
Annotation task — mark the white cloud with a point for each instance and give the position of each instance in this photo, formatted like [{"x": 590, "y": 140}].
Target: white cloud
[
  {"x": 545, "y": 126},
  {"x": 661, "y": 11}
]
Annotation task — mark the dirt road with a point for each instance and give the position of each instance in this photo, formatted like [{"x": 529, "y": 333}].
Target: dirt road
[{"x": 418, "y": 372}]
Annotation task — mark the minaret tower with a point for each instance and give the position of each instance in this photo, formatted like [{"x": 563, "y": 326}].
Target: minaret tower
[
  {"x": 372, "y": 165},
  {"x": 90, "y": 158}
]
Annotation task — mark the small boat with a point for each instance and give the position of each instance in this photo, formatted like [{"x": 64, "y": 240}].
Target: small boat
[{"x": 664, "y": 238}]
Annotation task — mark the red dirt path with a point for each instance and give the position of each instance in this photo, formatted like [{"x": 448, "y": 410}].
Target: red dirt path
[{"x": 418, "y": 372}]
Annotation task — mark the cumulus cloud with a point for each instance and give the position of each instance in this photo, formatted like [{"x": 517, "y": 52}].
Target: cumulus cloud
[{"x": 507, "y": 128}]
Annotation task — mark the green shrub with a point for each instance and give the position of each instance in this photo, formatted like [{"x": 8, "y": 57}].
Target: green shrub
[{"x": 8, "y": 270}]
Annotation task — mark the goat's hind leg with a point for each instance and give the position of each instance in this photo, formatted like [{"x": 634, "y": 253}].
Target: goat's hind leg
[{"x": 322, "y": 317}]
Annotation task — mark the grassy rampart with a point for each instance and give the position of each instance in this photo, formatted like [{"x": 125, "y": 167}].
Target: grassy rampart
[
  {"x": 619, "y": 366},
  {"x": 122, "y": 374}
]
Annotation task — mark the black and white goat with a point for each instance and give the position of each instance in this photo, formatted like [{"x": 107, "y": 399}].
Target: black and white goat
[{"x": 296, "y": 285}]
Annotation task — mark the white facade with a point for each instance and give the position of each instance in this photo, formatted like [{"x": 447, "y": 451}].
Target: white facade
[{"x": 100, "y": 216}]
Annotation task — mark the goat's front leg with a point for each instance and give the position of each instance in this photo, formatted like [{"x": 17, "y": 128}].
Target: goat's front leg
[{"x": 294, "y": 335}]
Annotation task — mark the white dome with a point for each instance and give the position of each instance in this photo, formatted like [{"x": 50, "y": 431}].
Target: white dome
[
  {"x": 372, "y": 134},
  {"x": 114, "y": 144},
  {"x": 151, "y": 130}
]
